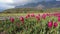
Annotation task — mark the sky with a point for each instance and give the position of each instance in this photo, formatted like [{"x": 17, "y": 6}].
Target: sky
[{"x": 5, "y": 4}]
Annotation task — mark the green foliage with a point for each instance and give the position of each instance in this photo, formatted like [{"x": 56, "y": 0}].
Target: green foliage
[{"x": 30, "y": 26}]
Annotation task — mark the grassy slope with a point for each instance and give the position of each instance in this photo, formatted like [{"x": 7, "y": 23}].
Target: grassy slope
[
  {"x": 23, "y": 14},
  {"x": 16, "y": 14}
]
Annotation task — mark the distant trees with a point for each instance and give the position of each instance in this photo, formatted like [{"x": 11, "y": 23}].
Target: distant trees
[
  {"x": 22, "y": 10},
  {"x": 30, "y": 10}
]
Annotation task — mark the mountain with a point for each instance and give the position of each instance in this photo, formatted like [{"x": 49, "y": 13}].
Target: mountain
[{"x": 43, "y": 4}]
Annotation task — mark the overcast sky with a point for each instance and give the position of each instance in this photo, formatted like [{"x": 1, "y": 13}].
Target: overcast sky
[{"x": 4, "y": 4}]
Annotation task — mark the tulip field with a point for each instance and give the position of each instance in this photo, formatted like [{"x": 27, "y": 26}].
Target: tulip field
[{"x": 46, "y": 23}]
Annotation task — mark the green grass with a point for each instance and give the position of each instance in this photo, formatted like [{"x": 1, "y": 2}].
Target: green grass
[{"x": 16, "y": 14}]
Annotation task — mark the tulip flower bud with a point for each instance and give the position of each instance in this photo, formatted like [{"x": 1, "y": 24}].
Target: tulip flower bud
[
  {"x": 12, "y": 19},
  {"x": 55, "y": 24},
  {"x": 28, "y": 16},
  {"x": 22, "y": 19},
  {"x": 44, "y": 16},
  {"x": 32, "y": 15},
  {"x": 59, "y": 19},
  {"x": 38, "y": 18},
  {"x": 50, "y": 24}
]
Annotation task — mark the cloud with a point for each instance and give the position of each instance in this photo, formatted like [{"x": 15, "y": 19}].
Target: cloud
[
  {"x": 4, "y": 4},
  {"x": 22, "y": 2},
  {"x": 6, "y": 1},
  {"x": 12, "y": 3}
]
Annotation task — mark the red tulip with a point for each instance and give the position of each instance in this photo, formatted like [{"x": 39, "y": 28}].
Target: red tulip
[
  {"x": 28, "y": 16},
  {"x": 50, "y": 24},
  {"x": 12, "y": 19},
  {"x": 32, "y": 15},
  {"x": 38, "y": 18},
  {"x": 55, "y": 24},
  {"x": 57, "y": 14},
  {"x": 48, "y": 15},
  {"x": 44, "y": 16},
  {"x": 59, "y": 19},
  {"x": 22, "y": 19}
]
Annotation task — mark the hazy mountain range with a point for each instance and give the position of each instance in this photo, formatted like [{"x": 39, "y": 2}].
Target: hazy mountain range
[{"x": 43, "y": 4}]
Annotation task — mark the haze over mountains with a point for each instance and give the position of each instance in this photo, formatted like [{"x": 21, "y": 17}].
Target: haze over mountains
[
  {"x": 40, "y": 4},
  {"x": 43, "y": 4},
  {"x": 1, "y": 10}
]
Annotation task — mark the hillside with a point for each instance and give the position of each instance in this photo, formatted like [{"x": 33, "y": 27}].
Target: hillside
[
  {"x": 30, "y": 10},
  {"x": 22, "y": 10}
]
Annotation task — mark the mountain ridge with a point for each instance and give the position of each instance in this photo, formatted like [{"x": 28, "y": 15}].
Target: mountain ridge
[{"x": 49, "y": 4}]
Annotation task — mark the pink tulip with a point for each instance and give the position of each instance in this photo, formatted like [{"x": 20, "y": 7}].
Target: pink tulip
[
  {"x": 57, "y": 14},
  {"x": 12, "y": 19},
  {"x": 32, "y": 15},
  {"x": 47, "y": 14},
  {"x": 22, "y": 19},
  {"x": 44, "y": 16},
  {"x": 26, "y": 17},
  {"x": 38, "y": 18},
  {"x": 50, "y": 24},
  {"x": 59, "y": 19},
  {"x": 55, "y": 24}
]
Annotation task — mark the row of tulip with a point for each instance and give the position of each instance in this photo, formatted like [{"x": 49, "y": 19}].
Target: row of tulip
[{"x": 32, "y": 24}]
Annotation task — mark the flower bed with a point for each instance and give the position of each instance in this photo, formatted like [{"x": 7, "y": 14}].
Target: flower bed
[{"x": 32, "y": 24}]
